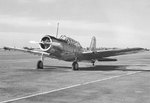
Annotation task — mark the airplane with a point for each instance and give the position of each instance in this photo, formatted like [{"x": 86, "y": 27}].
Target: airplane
[{"x": 68, "y": 49}]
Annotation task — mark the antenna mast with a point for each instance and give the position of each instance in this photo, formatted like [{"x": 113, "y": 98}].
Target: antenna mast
[{"x": 57, "y": 29}]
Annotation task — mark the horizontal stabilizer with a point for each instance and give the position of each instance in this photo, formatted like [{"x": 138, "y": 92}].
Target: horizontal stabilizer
[{"x": 107, "y": 59}]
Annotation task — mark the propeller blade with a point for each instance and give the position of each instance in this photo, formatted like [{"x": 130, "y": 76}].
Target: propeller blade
[
  {"x": 51, "y": 43},
  {"x": 35, "y": 42}
]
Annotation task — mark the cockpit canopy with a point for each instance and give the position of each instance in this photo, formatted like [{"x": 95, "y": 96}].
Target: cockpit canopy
[{"x": 70, "y": 41}]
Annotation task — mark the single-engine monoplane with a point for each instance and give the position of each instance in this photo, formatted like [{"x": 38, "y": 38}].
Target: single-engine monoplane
[{"x": 68, "y": 49}]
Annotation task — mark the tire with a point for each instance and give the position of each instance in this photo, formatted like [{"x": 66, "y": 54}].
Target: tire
[
  {"x": 40, "y": 64},
  {"x": 75, "y": 66}
]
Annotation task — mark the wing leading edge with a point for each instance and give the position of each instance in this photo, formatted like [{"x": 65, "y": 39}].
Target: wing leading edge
[
  {"x": 107, "y": 53},
  {"x": 39, "y": 53}
]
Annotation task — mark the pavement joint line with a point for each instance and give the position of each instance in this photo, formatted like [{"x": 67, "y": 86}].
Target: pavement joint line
[{"x": 68, "y": 87}]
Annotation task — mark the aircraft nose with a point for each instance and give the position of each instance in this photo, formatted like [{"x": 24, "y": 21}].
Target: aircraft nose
[{"x": 45, "y": 43}]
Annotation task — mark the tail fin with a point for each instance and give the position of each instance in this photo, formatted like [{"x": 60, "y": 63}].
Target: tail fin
[{"x": 93, "y": 44}]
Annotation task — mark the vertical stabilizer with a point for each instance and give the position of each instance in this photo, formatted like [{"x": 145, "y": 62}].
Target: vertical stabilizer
[{"x": 93, "y": 44}]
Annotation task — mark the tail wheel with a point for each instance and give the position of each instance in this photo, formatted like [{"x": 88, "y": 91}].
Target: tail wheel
[
  {"x": 40, "y": 64},
  {"x": 93, "y": 62},
  {"x": 75, "y": 66}
]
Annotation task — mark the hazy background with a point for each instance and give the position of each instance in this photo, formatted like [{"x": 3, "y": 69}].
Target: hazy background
[{"x": 115, "y": 23}]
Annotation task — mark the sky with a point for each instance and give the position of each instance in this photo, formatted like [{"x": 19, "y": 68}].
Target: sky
[{"x": 114, "y": 23}]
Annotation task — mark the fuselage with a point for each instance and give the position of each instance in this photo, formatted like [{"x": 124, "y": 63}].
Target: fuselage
[{"x": 63, "y": 48}]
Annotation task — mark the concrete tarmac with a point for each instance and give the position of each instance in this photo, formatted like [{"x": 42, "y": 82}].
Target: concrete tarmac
[{"x": 124, "y": 81}]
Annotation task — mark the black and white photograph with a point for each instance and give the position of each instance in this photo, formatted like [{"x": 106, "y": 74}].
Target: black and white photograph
[{"x": 74, "y": 51}]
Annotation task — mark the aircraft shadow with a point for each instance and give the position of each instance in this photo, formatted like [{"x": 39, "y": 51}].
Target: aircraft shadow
[
  {"x": 91, "y": 68},
  {"x": 55, "y": 67},
  {"x": 99, "y": 68},
  {"x": 47, "y": 69},
  {"x": 102, "y": 68},
  {"x": 110, "y": 68}
]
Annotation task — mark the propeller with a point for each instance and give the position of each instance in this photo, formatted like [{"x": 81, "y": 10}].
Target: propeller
[
  {"x": 35, "y": 42},
  {"x": 51, "y": 43}
]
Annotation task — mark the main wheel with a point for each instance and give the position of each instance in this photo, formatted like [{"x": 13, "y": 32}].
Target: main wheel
[
  {"x": 40, "y": 64},
  {"x": 75, "y": 66}
]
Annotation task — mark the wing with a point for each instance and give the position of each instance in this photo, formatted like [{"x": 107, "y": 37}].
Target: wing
[
  {"x": 39, "y": 53},
  {"x": 107, "y": 53}
]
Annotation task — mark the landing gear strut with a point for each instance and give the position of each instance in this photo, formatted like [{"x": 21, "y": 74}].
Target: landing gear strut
[{"x": 40, "y": 63}]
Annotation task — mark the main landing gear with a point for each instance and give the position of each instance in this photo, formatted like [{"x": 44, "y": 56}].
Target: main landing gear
[
  {"x": 75, "y": 65},
  {"x": 40, "y": 63}
]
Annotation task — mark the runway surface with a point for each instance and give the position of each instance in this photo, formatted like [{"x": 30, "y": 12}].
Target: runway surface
[{"x": 124, "y": 81}]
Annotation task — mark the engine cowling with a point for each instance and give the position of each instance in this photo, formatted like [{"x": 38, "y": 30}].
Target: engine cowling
[{"x": 45, "y": 43}]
